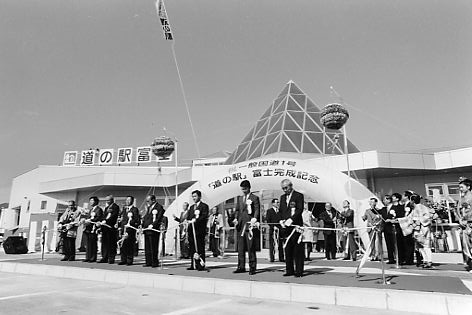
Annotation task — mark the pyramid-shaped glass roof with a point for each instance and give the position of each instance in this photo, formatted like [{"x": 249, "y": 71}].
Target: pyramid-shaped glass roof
[{"x": 290, "y": 124}]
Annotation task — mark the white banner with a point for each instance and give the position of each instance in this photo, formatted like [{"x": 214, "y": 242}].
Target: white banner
[
  {"x": 143, "y": 155},
  {"x": 125, "y": 155},
  {"x": 87, "y": 157},
  {"x": 105, "y": 157},
  {"x": 70, "y": 158}
]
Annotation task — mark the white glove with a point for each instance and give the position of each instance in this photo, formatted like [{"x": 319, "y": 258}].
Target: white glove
[
  {"x": 282, "y": 223},
  {"x": 104, "y": 222},
  {"x": 150, "y": 226},
  {"x": 288, "y": 222},
  {"x": 193, "y": 220},
  {"x": 253, "y": 220}
]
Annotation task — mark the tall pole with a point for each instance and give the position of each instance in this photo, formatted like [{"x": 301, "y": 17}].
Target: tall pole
[
  {"x": 346, "y": 153},
  {"x": 177, "y": 232}
]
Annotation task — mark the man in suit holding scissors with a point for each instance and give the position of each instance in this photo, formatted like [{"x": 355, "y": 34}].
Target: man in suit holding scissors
[
  {"x": 198, "y": 218},
  {"x": 291, "y": 209},
  {"x": 109, "y": 231},
  {"x": 129, "y": 225},
  {"x": 152, "y": 220},
  {"x": 248, "y": 210}
]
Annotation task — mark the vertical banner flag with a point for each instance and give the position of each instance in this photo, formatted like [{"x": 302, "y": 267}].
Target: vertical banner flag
[{"x": 161, "y": 12}]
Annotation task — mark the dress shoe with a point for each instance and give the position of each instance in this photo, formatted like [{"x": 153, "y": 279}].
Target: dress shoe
[
  {"x": 271, "y": 260},
  {"x": 146, "y": 265},
  {"x": 102, "y": 261},
  {"x": 190, "y": 268},
  {"x": 298, "y": 276},
  {"x": 65, "y": 259},
  {"x": 121, "y": 263},
  {"x": 85, "y": 260},
  {"x": 92, "y": 261},
  {"x": 129, "y": 264},
  {"x": 288, "y": 274},
  {"x": 390, "y": 262},
  {"x": 71, "y": 259},
  {"x": 111, "y": 262},
  {"x": 283, "y": 260},
  {"x": 252, "y": 272},
  {"x": 239, "y": 271}
]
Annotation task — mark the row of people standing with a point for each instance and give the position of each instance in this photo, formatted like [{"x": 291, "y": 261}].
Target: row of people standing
[{"x": 113, "y": 227}]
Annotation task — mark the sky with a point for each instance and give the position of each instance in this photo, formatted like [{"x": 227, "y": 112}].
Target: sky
[{"x": 82, "y": 74}]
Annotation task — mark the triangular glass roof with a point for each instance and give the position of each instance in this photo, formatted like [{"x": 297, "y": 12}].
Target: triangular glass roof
[{"x": 290, "y": 124}]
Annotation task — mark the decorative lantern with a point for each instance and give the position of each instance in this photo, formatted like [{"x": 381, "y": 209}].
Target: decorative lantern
[
  {"x": 163, "y": 147},
  {"x": 334, "y": 116}
]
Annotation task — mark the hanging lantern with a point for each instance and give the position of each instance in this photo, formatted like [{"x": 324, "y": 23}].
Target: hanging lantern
[
  {"x": 334, "y": 116},
  {"x": 163, "y": 147}
]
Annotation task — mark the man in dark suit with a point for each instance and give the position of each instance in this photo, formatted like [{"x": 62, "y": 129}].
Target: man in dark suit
[
  {"x": 152, "y": 219},
  {"x": 109, "y": 231},
  {"x": 398, "y": 211},
  {"x": 184, "y": 250},
  {"x": 273, "y": 217},
  {"x": 349, "y": 244},
  {"x": 389, "y": 229},
  {"x": 291, "y": 208},
  {"x": 329, "y": 217},
  {"x": 129, "y": 224},
  {"x": 90, "y": 229},
  {"x": 248, "y": 209},
  {"x": 198, "y": 218}
]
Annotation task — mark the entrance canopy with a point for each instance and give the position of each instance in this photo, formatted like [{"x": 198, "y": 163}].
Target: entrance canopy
[{"x": 315, "y": 179}]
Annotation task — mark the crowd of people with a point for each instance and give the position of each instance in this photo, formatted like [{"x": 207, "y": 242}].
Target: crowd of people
[{"x": 294, "y": 231}]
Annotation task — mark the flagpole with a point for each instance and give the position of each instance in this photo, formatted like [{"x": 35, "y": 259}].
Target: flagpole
[{"x": 164, "y": 18}]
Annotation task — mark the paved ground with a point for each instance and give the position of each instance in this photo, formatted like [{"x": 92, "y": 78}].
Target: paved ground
[
  {"x": 27, "y": 294},
  {"x": 446, "y": 278}
]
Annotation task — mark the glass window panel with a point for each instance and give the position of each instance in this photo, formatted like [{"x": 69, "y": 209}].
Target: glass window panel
[
  {"x": 296, "y": 138},
  {"x": 308, "y": 146},
  {"x": 286, "y": 146},
  {"x": 310, "y": 125},
  {"x": 277, "y": 125},
  {"x": 280, "y": 107},
  {"x": 248, "y": 137},
  {"x": 274, "y": 147},
  {"x": 256, "y": 152},
  {"x": 269, "y": 139},
  {"x": 298, "y": 118},
  {"x": 317, "y": 138},
  {"x": 294, "y": 89},
  {"x": 292, "y": 105},
  {"x": 300, "y": 99},
  {"x": 261, "y": 128},
  {"x": 289, "y": 124},
  {"x": 453, "y": 189},
  {"x": 310, "y": 106}
]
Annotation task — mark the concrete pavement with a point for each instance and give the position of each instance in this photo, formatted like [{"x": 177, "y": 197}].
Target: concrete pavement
[{"x": 28, "y": 294}]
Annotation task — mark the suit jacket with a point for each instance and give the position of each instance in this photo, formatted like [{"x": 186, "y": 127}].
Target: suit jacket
[
  {"x": 98, "y": 217},
  {"x": 299, "y": 204},
  {"x": 286, "y": 212},
  {"x": 273, "y": 217},
  {"x": 134, "y": 222},
  {"x": 149, "y": 219},
  {"x": 111, "y": 213},
  {"x": 242, "y": 213},
  {"x": 201, "y": 221},
  {"x": 371, "y": 216},
  {"x": 329, "y": 221},
  {"x": 348, "y": 218},
  {"x": 70, "y": 217}
]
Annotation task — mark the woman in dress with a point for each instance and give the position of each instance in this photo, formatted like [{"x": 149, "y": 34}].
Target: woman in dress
[
  {"x": 308, "y": 234},
  {"x": 421, "y": 219},
  {"x": 464, "y": 214}
]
